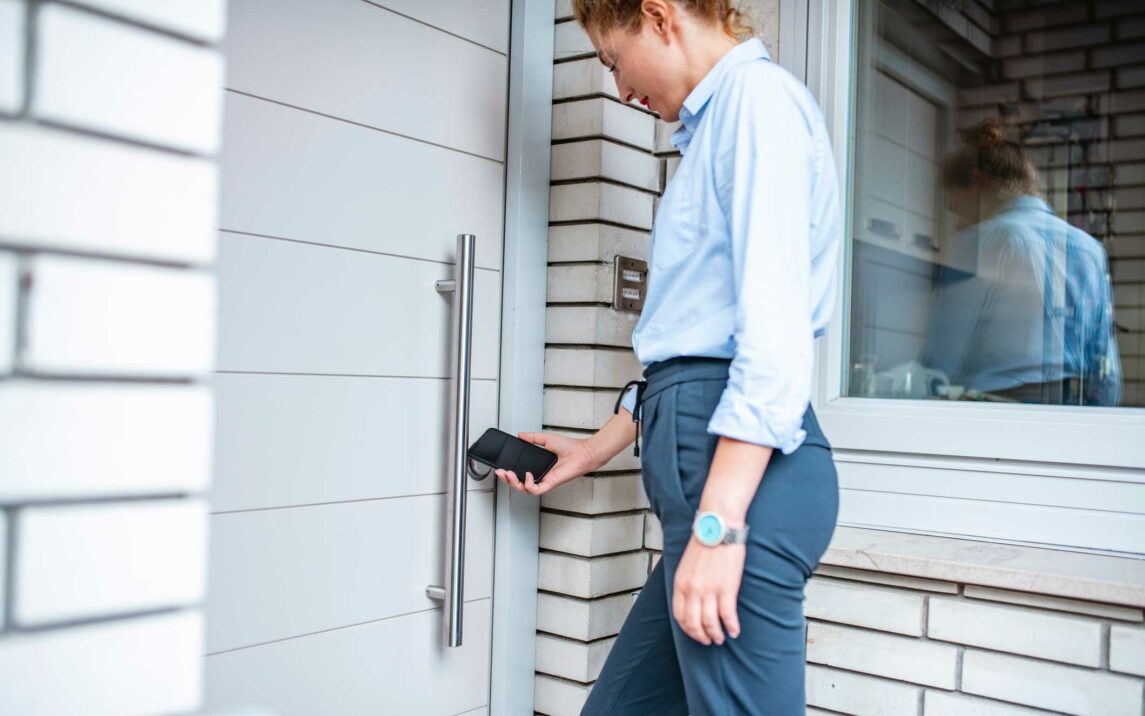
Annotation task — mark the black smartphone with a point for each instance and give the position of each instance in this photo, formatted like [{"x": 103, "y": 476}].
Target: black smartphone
[{"x": 502, "y": 451}]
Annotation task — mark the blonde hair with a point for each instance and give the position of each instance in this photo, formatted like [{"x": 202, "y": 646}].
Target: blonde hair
[
  {"x": 602, "y": 16},
  {"x": 985, "y": 149}
]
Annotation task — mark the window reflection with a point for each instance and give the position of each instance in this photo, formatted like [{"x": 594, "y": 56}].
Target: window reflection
[{"x": 998, "y": 224}]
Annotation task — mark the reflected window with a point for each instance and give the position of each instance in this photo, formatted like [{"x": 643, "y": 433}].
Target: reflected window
[{"x": 998, "y": 234}]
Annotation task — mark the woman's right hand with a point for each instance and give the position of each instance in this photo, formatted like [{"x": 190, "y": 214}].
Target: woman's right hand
[{"x": 574, "y": 458}]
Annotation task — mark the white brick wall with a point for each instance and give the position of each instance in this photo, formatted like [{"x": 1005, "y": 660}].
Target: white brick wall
[{"x": 108, "y": 192}]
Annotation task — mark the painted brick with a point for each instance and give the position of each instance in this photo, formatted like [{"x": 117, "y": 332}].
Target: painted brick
[
  {"x": 85, "y": 561},
  {"x": 200, "y": 19},
  {"x": 582, "y": 325},
  {"x": 582, "y": 619},
  {"x": 601, "y": 117},
  {"x": 578, "y": 409},
  {"x": 872, "y": 607},
  {"x": 591, "y": 536},
  {"x": 1130, "y": 125},
  {"x": 598, "y": 158},
  {"x": 580, "y": 284},
  {"x": 569, "y": 40},
  {"x": 591, "y": 578},
  {"x": 989, "y": 94},
  {"x": 571, "y": 659},
  {"x": 1130, "y": 77},
  {"x": 1042, "y": 601},
  {"x": 9, "y": 289},
  {"x": 1127, "y": 649},
  {"x": 846, "y": 692},
  {"x": 1065, "y": 38},
  {"x": 940, "y": 703},
  {"x": 598, "y": 494},
  {"x": 585, "y": 367},
  {"x": 1119, "y": 102},
  {"x": 664, "y": 131},
  {"x": 582, "y": 78},
  {"x": 1018, "y": 630},
  {"x": 596, "y": 242},
  {"x": 623, "y": 461},
  {"x": 59, "y": 190},
  {"x": 1082, "y": 83},
  {"x": 167, "y": 648},
  {"x": 653, "y": 532},
  {"x": 1064, "y": 14},
  {"x": 1050, "y": 686},
  {"x": 89, "y": 75},
  {"x": 12, "y": 14},
  {"x": 97, "y": 317},
  {"x": 671, "y": 164},
  {"x": 1043, "y": 64},
  {"x": 601, "y": 202},
  {"x": 564, "y": 9},
  {"x": 895, "y": 657},
  {"x": 557, "y": 697},
  {"x": 122, "y": 440},
  {"x": 1123, "y": 53},
  {"x": 894, "y": 580},
  {"x": 1006, "y": 46}
]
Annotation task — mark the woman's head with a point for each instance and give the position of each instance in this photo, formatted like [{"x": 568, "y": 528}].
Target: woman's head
[
  {"x": 659, "y": 50},
  {"x": 986, "y": 171}
]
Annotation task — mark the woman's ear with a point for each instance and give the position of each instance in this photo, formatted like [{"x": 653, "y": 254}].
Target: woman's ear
[{"x": 659, "y": 16}]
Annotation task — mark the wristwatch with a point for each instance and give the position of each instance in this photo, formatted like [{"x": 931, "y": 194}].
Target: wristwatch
[{"x": 711, "y": 530}]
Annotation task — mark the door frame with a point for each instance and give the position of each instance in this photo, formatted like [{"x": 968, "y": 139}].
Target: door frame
[{"x": 521, "y": 374}]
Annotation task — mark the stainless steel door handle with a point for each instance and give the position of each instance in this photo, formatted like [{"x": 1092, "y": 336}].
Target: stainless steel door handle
[{"x": 452, "y": 594}]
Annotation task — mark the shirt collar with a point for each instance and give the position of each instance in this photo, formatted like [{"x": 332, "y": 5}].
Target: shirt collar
[
  {"x": 1026, "y": 202},
  {"x": 697, "y": 99}
]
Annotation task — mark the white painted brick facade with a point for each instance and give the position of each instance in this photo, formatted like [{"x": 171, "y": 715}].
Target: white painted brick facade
[
  {"x": 848, "y": 692},
  {"x": 1050, "y": 686},
  {"x": 891, "y": 610},
  {"x": 108, "y": 194},
  {"x": 894, "y": 657},
  {"x": 1017, "y": 630}
]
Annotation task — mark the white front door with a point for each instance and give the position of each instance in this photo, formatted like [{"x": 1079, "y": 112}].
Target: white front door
[{"x": 360, "y": 139}]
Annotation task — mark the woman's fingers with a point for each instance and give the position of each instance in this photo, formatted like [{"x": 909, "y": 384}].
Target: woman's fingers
[
  {"x": 710, "y": 618},
  {"x": 729, "y": 614},
  {"x": 535, "y": 438}
]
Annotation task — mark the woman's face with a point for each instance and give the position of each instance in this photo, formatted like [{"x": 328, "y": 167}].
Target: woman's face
[{"x": 647, "y": 65}]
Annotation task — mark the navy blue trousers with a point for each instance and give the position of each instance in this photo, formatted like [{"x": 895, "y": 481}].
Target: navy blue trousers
[{"x": 654, "y": 667}]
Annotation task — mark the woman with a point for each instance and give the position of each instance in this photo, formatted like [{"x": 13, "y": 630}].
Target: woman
[
  {"x": 742, "y": 279},
  {"x": 1033, "y": 321}
]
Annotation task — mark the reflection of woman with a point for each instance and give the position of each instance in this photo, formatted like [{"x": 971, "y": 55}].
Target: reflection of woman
[
  {"x": 742, "y": 278},
  {"x": 1034, "y": 322}
]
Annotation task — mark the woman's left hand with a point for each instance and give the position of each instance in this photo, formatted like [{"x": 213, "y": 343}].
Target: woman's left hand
[{"x": 706, "y": 589}]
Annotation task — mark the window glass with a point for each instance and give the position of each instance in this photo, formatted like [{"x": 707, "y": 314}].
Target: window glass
[{"x": 998, "y": 236}]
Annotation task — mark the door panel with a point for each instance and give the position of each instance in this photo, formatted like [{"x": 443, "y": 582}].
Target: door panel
[
  {"x": 392, "y": 666},
  {"x": 482, "y": 22},
  {"x": 349, "y": 442},
  {"x": 289, "y": 572},
  {"x": 393, "y": 73},
  {"x": 286, "y": 169},
  {"x": 297, "y": 308}
]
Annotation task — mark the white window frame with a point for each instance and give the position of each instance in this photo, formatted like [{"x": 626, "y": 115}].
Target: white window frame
[{"x": 1090, "y": 436}]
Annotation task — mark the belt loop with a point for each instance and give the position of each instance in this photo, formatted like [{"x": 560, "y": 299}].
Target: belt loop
[{"x": 637, "y": 409}]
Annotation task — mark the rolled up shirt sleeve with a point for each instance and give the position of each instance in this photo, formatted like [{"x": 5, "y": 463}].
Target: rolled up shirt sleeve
[
  {"x": 765, "y": 193},
  {"x": 629, "y": 400}
]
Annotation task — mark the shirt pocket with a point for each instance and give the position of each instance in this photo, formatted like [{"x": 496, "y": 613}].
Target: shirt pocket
[{"x": 679, "y": 226}]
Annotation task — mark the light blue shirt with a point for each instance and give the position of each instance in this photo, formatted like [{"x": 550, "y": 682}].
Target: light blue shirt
[
  {"x": 742, "y": 262},
  {"x": 1038, "y": 308}
]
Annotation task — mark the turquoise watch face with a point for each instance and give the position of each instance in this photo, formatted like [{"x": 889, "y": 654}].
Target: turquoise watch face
[{"x": 708, "y": 530}]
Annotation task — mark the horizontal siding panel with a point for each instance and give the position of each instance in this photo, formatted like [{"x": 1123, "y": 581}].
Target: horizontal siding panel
[
  {"x": 90, "y": 74},
  {"x": 284, "y": 573},
  {"x": 134, "y": 667},
  {"x": 398, "y": 664},
  {"x": 295, "y": 308},
  {"x": 64, "y": 191},
  {"x": 101, "y": 318},
  {"x": 282, "y": 50},
  {"x": 78, "y": 562},
  {"x": 297, "y": 175},
  {"x": 9, "y": 290},
  {"x": 483, "y": 21},
  {"x": 1056, "y": 491},
  {"x": 121, "y": 440},
  {"x": 295, "y": 440},
  {"x": 1050, "y": 526}
]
